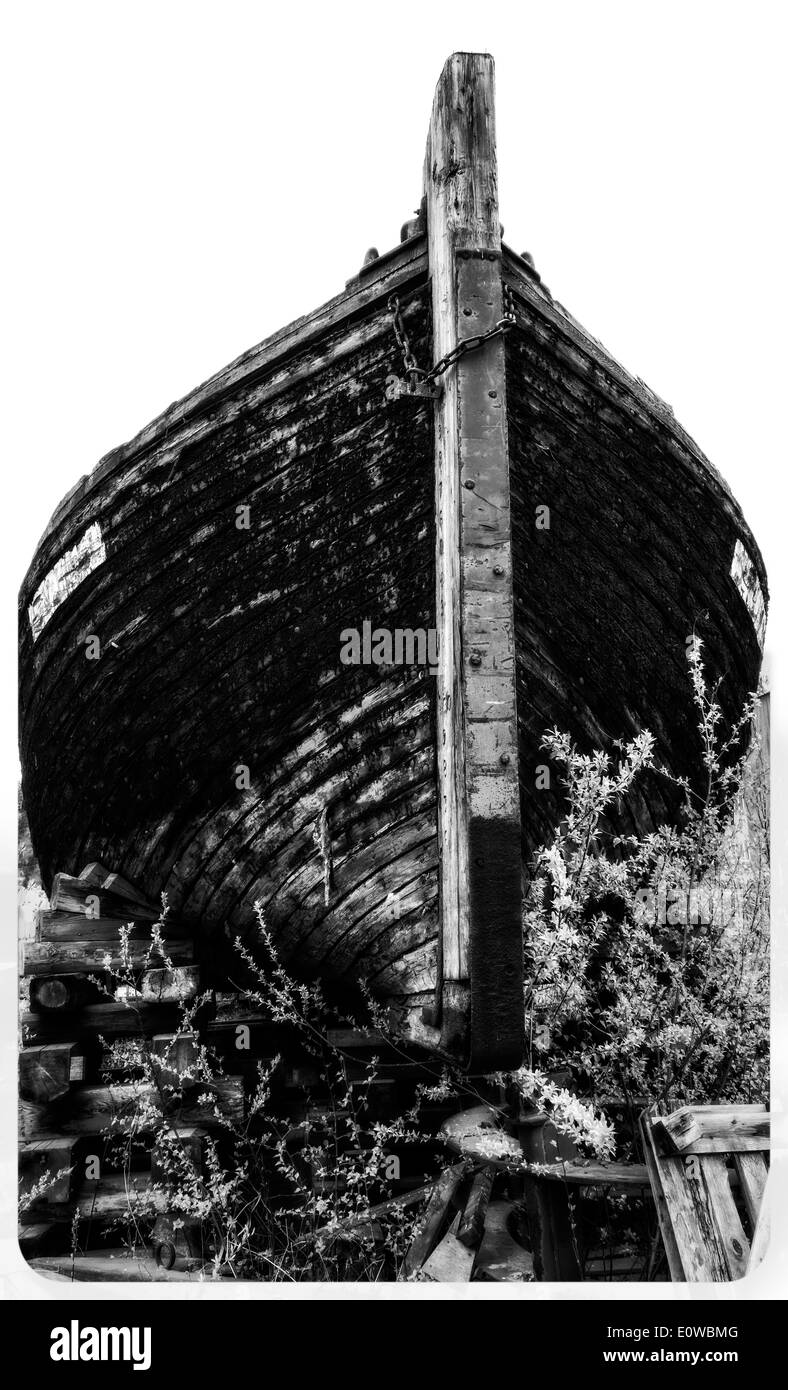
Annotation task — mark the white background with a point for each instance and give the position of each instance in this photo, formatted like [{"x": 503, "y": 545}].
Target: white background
[{"x": 183, "y": 179}]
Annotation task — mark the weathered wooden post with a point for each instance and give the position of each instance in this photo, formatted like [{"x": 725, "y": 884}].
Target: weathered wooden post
[{"x": 479, "y": 794}]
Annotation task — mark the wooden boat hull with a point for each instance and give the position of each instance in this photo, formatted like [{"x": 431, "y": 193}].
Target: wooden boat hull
[{"x": 213, "y": 746}]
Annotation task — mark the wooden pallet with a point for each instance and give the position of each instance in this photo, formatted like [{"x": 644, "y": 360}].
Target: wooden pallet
[{"x": 700, "y": 1159}]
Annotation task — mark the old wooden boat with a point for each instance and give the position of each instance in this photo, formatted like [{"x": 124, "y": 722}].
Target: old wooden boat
[{"x": 194, "y": 713}]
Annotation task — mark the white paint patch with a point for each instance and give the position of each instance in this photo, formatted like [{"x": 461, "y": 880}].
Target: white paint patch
[
  {"x": 746, "y": 581},
  {"x": 65, "y": 577}
]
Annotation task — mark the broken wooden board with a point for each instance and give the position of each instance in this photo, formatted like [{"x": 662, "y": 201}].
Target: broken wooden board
[
  {"x": 701, "y": 1227},
  {"x": 434, "y": 1219},
  {"x": 451, "y": 1262},
  {"x": 706, "y": 1129}
]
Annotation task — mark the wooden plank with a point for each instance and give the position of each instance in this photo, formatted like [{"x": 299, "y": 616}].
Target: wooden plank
[
  {"x": 94, "y": 1108},
  {"x": 713, "y": 1129},
  {"x": 471, "y": 1228},
  {"x": 478, "y": 780},
  {"x": 75, "y": 926},
  {"x": 110, "y": 1266},
  {"x": 732, "y": 1242},
  {"x": 761, "y": 1237},
  {"x": 753, "y": 1173},
  {"x": 664, "y": 1216},
  {"x": 592, "y": 1174},
  {"x": 434, "y": 1217},
  {"x": 111, "y": 1020},
  {"x": 88, "y": 957}
]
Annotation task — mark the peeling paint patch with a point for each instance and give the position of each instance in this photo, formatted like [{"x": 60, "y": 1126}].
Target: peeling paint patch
[
  {"x": 746, "y": 581},
  {"x": 65, "y": 577}
]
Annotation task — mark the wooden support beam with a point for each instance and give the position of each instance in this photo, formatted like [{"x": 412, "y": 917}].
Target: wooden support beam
[
  {"x": 43, "y": 958},
  {"x": 479, "y": 795}
]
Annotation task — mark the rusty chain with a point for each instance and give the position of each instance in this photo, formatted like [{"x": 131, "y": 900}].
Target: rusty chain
[{"x": 465, "y": 346}]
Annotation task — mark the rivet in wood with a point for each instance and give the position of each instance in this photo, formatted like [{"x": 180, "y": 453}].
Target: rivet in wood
[
  {"x": 470, "y": 484},
  {"x": 504, "y": 758},
  {"x": 498, "y": 569},
  {"x": 476, "y": 659},
  {"x": 467, "y": 313},
  {"x": 493, "y": 395}
]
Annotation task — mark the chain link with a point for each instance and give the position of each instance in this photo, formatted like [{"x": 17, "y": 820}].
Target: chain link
[{"x": 462, "y": 348}]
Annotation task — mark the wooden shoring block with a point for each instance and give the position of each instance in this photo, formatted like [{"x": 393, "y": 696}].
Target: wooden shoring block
[
  {"x": 44, "y": 958},
  {"x": 46, "y": 1071},
  {"x": 49, "y": 1160},
  {"x": 75, "y": 926},
  {"x": 110, "y": 1020},
  {"x": 180, "y": 1148},
  {"x": 71, "y": 894}
]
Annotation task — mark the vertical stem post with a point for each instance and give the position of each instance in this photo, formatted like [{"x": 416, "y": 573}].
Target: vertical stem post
[{"x": 479, "y": 793}]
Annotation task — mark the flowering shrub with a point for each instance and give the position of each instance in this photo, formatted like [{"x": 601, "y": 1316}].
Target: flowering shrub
[{"x": 640, "y": 995}]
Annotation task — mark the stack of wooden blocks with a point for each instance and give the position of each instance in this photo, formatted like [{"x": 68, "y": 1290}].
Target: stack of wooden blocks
[{"x": 67, "y": 1098}]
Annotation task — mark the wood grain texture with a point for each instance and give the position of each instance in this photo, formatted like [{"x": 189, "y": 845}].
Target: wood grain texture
[
  {"x": 478, "y": 787},
  {"x": 701, "y": 1227}
]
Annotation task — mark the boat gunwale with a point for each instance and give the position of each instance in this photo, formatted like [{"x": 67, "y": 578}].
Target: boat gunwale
[
  {"x": 404, "y": 265},
  {"x": 554, "y": 313}
]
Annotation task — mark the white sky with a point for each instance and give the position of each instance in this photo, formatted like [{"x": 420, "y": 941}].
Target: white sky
[{"x": 183, "y": 179}]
